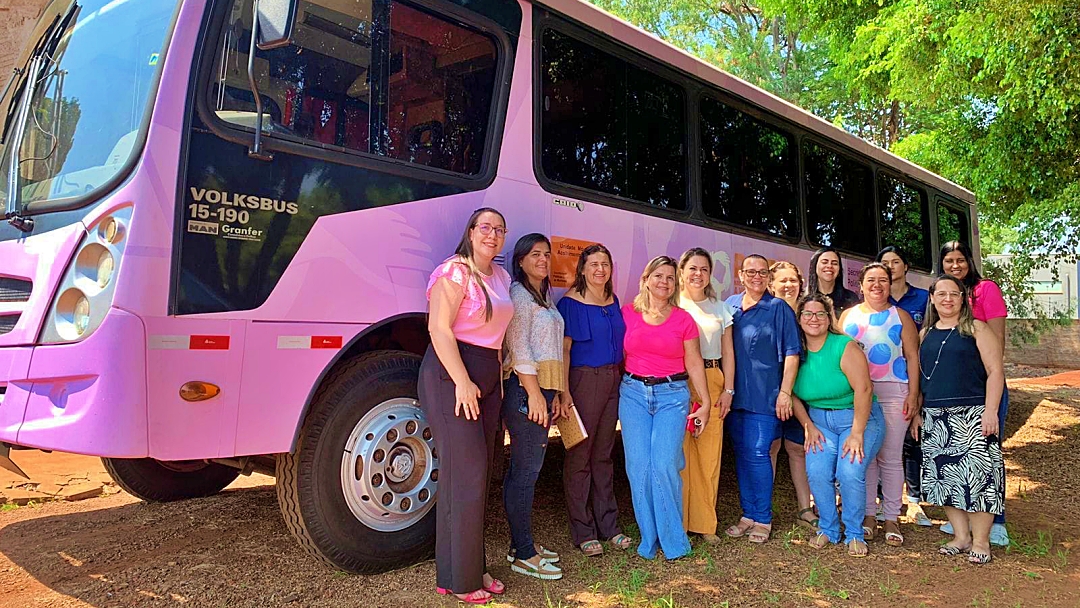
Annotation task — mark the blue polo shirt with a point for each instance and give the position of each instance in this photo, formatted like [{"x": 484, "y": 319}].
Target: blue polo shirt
[
  {"x": 913, "y": 302},
  {"x": 763, "y": 336}
]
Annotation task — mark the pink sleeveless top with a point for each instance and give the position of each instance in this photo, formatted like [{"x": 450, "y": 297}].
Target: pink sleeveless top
[{"x": 470, "y": 324}]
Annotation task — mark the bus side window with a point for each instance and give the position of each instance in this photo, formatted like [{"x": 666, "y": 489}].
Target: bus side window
[
  {"x": 749, "y": 171},
  {"x": 373, "y": 76},
  {"x": 952, "y": 224},
  {"x": 905, "y": 219},
  {"x": 839, "y": 200}
]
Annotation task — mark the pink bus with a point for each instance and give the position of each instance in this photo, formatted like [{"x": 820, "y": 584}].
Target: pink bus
[{"x": 216, "y": 243}]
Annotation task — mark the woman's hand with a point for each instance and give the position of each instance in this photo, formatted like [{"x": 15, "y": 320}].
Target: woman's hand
[
  {"x": 701, "y": 414},
  {"x": 560, "y": 406},
  {"x": 814, "y": 441},
  {"x": 911, "y": 406},
  {"x": 468, "y": 396},
  {"x": 724, "y": 404},
  {"x": 989, "y": 423},
  {"x": 538, "y": 409},
  {"x": 783, "y": 406},
  {"x": 854, "y": 446},
  {"x": 916, "y": 424}
]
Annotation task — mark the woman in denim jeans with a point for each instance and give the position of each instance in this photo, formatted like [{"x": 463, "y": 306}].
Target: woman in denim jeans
[
  {"x": 662, "y": 353},
  {"x": 844, "y": 426},
  {"x": 535, "y": 375}
]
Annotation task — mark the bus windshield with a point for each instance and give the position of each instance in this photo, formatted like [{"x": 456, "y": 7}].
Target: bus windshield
[{"x": 89, "y": 74}]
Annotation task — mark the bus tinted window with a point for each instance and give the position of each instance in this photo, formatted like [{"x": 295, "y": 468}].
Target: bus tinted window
[
  {"x": 372, "y": 76},
  {"x": 748, "y": 171},
  {"x": 610, "y": 126},
  {"x": 952, "y": 224},
  {"x": 839, "y": 200},
  {"x": 905, "y": 219}
]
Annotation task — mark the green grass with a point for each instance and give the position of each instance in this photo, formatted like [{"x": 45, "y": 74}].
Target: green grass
[
  {"x": 8, "y": 506},
  {"x": 1037, "y": 546},
  {"x": 889, "y": 586}
]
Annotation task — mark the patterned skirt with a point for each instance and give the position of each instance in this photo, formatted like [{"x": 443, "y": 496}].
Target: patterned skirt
[{"x": 960, "y": 467}]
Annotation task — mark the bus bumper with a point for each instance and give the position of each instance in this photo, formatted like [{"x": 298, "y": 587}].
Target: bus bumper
[{"x": 88, "y": 397}]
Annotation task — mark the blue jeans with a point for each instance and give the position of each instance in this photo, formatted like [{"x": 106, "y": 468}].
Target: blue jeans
[
  {"x": 528, "y": 444},
  {"x": 653, "y": 428},
  {"x": 826, "y": 467},
  {"x": 752, "y": 436}
]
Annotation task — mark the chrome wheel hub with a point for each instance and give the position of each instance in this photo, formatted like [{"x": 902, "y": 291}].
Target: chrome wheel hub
[{"x": 389, "y": 467}]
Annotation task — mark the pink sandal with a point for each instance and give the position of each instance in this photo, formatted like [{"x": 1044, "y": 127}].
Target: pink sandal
[
  {"x": 496, "y": 587},
  {"x": 480, "y": 596}
]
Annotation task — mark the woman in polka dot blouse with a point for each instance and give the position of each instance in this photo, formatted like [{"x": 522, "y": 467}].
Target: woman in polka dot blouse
[{"x": 891, "y": 342}]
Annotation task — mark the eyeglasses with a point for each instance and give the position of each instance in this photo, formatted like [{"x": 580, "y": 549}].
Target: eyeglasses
[
  {"x": 948, "y": 295},
  {"x": 810, "y": 314},
  {"x": 485, "y": 229},
  {"x": 756, "y": 273}
]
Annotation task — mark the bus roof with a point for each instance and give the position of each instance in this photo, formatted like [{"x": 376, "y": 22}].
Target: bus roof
[{"x": 634, "y": 37}]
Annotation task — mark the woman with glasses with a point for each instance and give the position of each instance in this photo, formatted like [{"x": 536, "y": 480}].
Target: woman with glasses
[
  {"x": 766, "y": 345},
  {"x": 844, "y": 425},
  {"x": 460, "y": 393},
  {"x": 826, "y": 277},
  {"x": 701, "y": 476},
  {"x": 592, "y": 354},
  {"x": 888, "y": 337},
  {"x": 534, "y": 376},
  {"x": 786, "y": 283},
  {"x": 662, "y": 354},
  {"x": 987, "y": 305},
  {"x": 963, "y": 468}
]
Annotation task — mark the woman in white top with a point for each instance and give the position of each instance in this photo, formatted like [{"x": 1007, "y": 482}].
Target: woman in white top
[{"x": 713, "y": 316}]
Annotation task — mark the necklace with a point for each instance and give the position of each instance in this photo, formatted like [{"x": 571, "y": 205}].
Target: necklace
[{"x": 937, "y": 359}]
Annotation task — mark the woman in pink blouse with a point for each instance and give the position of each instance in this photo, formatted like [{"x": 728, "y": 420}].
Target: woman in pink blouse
[
  {"x": 988, "y": 306},
  {"x": 460, "y": 377},
  {"x": 662, "y": 353}
]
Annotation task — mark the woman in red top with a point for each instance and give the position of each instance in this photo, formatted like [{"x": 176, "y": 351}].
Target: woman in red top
[{"x": 662, "y": 353}]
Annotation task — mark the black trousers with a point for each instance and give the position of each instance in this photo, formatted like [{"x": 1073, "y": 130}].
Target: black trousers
[
  {"x": 465, "y": 449},
  {"x": 588, "y": 469}
]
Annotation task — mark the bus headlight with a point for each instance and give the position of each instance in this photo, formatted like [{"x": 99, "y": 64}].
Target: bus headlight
[{"x": 86, "y": 291}]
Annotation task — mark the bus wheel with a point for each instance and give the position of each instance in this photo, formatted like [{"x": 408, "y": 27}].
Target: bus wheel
[
  {"x": 358, "y": 489},
  {"x": 159, "y": 481}
]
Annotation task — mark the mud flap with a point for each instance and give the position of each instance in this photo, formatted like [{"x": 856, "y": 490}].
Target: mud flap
[{"x": 7, "y": 463}]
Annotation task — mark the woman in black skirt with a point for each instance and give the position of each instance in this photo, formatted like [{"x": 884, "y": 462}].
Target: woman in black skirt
[{"x": 962, "y": 378}]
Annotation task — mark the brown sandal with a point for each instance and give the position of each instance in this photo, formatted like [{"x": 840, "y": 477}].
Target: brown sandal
[
  {"x": 741, "y": 528},
  {"x": 591, "y": 548},
  {"x": 893, "y": 537},
  {"x": 759, "y": 533}
]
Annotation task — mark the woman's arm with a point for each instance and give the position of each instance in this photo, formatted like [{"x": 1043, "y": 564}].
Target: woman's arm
[
  {"x": 783, "y": 400},
  {"x": 909, "y": 341},
  {"x": 727, "y": 365},
  {"x": 524, "y": 361},
  {"x": 813, "y": 439},
  {"x": 695, "y": 368},
  {"x": 853, "y": 364},
  {"x": 992, "y": 359},
  {"x": 446, "y": 298},
  {"x": 998, "y": 327}
]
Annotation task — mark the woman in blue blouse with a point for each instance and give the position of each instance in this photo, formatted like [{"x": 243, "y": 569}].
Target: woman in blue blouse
[
  {"x": 767, "y": 348},
  {"x": 592, "y": 352}
]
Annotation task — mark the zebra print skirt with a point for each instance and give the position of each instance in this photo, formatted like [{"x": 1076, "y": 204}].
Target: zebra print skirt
[{"x": 960, "y": 467}]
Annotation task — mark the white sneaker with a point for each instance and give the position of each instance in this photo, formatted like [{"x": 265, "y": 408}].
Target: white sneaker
[
  {"x": 917, "y": 515},
  {"x": 544, "y": 571}
]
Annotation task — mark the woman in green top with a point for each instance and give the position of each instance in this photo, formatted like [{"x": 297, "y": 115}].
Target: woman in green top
[{"x": 844, "y": 425}]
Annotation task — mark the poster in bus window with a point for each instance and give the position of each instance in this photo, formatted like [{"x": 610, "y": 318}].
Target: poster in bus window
[{"x": 564, "y": 258}]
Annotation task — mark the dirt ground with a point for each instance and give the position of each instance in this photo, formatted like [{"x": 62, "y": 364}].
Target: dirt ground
[{"x": 232, "y": 550}]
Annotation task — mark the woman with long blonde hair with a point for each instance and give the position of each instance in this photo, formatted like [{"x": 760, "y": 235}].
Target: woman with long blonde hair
[{"x": 662, "y": 354}]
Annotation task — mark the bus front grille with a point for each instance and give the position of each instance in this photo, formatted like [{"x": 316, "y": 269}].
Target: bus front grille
[{"x": 14, "y": 290}]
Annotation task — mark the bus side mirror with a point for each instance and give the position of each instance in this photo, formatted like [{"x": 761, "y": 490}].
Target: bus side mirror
[{"x": 275, "y": 22}]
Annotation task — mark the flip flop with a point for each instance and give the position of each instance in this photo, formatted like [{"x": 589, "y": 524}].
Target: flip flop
[
  {"x": 496, "y": 587},
  {"x": 851, "y": 548},
  {"x": 479, "y": 597},
  {"x": 820, "y": 541},
  {"x": 869, "y": 527},
  {"x": 978, "y": 558},
  {"x": 952, "y": 550},
  {"x": 621, "y": 541},
  {"x": 893, "y": 537},
  {"x": 591, "y": 548}
]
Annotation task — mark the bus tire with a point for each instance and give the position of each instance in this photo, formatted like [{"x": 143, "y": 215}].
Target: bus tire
[
  {"x": 358, "y": 490},
  {"x": 159, "y": 481}
]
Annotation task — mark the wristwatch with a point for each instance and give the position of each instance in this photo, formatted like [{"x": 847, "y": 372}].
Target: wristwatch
[{"x": 730, "y": 391}]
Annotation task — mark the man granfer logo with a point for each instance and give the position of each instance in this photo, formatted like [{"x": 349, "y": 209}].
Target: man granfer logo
[{"x": 202, "y": 227}]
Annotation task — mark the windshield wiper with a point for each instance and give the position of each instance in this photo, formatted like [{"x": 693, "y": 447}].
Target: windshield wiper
[{"x": 36, "y": 72}]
